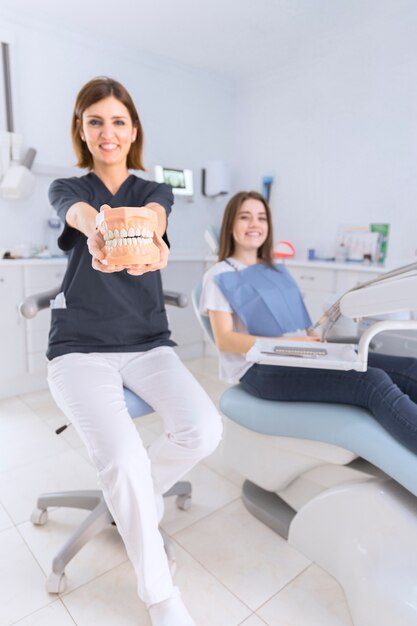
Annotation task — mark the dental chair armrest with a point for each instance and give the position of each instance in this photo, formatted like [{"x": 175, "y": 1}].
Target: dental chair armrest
[
  {"x": 175, "y": 298},
  {"x": 345, "y": 339},
  {"x": 380, "y": 327},
  {"x": 39, "y": 301},
  {"x": 354, "y": 340}
]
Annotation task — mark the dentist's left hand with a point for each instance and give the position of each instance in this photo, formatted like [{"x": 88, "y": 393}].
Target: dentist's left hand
[{"x": 138, "y": 270}]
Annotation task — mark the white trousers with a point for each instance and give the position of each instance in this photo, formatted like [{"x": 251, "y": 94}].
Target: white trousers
[{"x": 89, "y": 390}]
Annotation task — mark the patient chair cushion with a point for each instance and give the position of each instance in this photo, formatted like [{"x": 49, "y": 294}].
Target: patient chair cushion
[
  {"x": 135, "y": 405},
  {"x": 349, "y": 427}
]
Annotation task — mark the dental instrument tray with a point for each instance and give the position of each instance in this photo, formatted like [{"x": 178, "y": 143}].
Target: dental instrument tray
[{"x": 318, "y": 355}]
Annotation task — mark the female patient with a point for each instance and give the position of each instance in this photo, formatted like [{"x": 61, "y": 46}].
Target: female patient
[
  {"x": 111, "y": 331},
  {"x": 245, "y": 285}
]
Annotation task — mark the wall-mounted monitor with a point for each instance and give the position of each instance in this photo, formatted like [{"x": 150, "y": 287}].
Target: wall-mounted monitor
[{"x": 181, "y": 181}]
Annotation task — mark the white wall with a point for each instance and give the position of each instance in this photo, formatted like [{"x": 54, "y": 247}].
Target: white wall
[
  {"x": 336, "y": 127},
  {"x": 186, "y": 117},
  {"x": 339, "y": 132}
]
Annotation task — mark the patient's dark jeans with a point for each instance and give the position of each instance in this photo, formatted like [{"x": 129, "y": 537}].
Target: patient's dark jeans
[{"x": 388, "y": 389}]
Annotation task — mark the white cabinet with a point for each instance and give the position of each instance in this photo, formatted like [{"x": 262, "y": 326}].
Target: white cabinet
[
  {"x": 183, "y": 276},
  {"x": 346, "y": 280},
  {"x": 315, "y": 285},
  {"x": 24, "y": 342},
  {"x": 36, "y": 280},
  {"x": 12, "y": 331},
  {"x": 322, "y": 284}
]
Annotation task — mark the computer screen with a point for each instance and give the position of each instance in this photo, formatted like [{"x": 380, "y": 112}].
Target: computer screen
[{"x": 180, "y": 180}]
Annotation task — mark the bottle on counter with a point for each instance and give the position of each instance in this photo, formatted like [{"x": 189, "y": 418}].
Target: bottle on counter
[
  {"x": 341, "y": 253},
  {"x": 53, "y": 231}
]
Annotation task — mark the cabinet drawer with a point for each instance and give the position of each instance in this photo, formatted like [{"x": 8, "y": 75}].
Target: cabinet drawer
[
  {"x": 37, "y": 339},
  {"x": 37, "y": 363},
  {"x": 182, "y": 276},
  {"x": 41, "y": 278},
  {"x": 41, "y": 322},
  {"x": 346, "y": 280},
  {"x": 11, "y": 292},
  {"x": 313, "y": 279},
  {"x": 12, "y": 335}
]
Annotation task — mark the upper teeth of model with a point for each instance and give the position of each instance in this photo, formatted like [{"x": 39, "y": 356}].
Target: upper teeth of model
[{"x": 135, "y": 237}]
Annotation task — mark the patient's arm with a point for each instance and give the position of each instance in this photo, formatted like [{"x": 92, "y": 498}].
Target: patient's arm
[{"x": 228, "y": 340}]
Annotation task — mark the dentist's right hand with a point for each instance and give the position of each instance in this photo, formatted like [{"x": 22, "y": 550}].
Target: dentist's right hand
[
  {"x": 82, "y": 217},
  {"x": 95, "y": 244}
]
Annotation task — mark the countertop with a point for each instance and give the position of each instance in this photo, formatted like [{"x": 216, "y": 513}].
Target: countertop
[
  {"x": 206, "y": 258},
  {"x": 60, "y": 260}
]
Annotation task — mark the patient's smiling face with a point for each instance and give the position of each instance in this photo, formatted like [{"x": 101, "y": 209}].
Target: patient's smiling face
[{"x": 250, "y": 228}]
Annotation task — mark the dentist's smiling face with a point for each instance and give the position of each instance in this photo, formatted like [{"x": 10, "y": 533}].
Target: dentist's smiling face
[
  {"x": 250, "y": 228},
  {"x": 108, "y": 130}
]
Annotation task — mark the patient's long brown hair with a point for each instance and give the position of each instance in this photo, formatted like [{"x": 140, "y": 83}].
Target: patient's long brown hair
[{"x": 227, "y": 243}]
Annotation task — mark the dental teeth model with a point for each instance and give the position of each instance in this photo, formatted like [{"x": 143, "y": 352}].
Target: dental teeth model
[{"x": 128, "y": 235}]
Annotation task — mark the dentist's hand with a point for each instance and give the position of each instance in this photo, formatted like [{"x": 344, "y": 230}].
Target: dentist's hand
[
  {"x": 96, "y": 244},
  {"x": 138, "y": 270}
]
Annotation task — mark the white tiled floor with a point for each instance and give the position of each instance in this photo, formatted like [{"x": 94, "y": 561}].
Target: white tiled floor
[{"x": 231, "y": 568}]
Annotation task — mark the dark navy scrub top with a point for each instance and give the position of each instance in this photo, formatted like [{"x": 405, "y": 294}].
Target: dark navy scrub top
[{"x": 112, "y": 312}]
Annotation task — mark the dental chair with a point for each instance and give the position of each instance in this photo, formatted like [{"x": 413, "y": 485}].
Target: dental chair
[
  {"x": 330, "y": 480},
  {"x": 92, "y": 500}
]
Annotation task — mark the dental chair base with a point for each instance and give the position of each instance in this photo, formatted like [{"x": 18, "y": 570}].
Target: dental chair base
[
  {"x": 364, "y": 534},
  {"x": 342, "y": 490}
]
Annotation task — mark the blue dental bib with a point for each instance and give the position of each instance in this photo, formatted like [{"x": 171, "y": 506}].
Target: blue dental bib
[{"x": 266, "y": 299}]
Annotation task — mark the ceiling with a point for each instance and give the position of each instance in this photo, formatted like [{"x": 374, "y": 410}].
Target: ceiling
[{"x": 235, "y": 37}]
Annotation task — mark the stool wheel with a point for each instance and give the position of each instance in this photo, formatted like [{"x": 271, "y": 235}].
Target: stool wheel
[
  {"x": 183, "y": 502},
  {"x": 56, "y": 583},
  {"x": 39, "y": 517}
]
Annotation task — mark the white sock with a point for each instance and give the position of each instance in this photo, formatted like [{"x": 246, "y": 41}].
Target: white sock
[
  {"x": 168, "y": 543},
  {"x": 170, "y": 551},
  {"x": 171, "y": 612},
  {"x": 160, "y": 507}
]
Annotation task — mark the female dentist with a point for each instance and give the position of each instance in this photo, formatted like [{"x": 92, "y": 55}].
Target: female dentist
[{"x": 111, "y": 331}]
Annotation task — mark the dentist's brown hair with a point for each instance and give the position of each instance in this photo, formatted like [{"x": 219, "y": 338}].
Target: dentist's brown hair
[{"x": 92, "y": 92}]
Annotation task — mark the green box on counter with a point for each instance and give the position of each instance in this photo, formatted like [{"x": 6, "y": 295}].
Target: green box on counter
[{"x": 383, "y": 230}]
